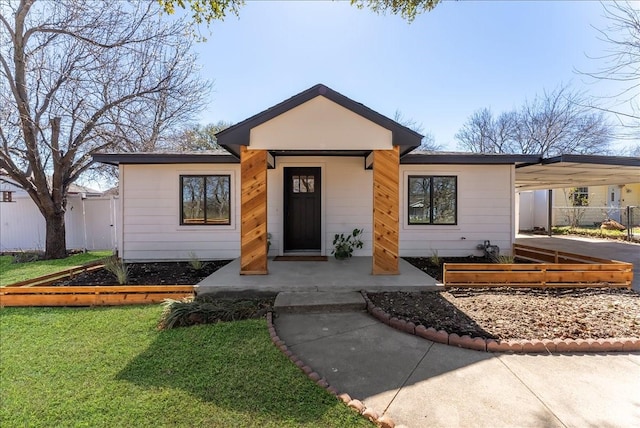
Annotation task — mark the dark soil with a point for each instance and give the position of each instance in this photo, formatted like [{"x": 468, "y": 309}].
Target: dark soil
[
  {"x": 169, "y": 273},
  {"x": 516, "y": 313},
  {"x": 435, "y": 270}
]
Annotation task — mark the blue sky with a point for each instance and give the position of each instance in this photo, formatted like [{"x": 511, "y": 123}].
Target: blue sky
[{"x": 437, "y": 70}]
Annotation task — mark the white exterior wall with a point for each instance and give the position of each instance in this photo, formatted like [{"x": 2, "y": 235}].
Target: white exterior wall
[
  {"x": 151, "y": 209},
  {"x": 486, "y": 211},
  {"x": 347, "y": 199},
  {"x": 320, "y": 124},
  {"x": 151, "y": 215}
]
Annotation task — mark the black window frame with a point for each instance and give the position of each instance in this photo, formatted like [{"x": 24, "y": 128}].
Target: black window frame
[
  {"x": 204, "y": 177},
  {"x": 431, "y": 194}
]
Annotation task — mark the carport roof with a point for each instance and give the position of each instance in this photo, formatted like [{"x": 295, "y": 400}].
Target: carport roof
[{"x": 577, "y": 171}]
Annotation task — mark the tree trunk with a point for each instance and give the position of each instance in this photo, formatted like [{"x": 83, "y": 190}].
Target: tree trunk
[{"x": 56, "y": 243}]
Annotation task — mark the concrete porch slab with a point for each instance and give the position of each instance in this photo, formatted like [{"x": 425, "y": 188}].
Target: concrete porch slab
[
  {"x": 313, "y": 301},
  {"x": 332, "y": 275}
]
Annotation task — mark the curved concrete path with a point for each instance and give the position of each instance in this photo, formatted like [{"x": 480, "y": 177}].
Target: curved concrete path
[{"x": 419, "y": 383}]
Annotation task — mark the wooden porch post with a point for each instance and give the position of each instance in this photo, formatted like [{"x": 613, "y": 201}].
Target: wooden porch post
[
  {"x": 386, "y": 211},
  {"x": 253, "y": 212}
]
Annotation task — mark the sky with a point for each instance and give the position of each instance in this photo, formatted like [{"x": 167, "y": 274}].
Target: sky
[{"x": 437, "y": 70}]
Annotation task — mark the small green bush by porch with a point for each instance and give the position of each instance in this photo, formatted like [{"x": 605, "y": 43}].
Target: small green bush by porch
[{"x": 107, "y": 367}]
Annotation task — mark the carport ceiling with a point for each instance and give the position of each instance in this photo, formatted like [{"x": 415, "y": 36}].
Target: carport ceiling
[{"x": 577, "y": 171}]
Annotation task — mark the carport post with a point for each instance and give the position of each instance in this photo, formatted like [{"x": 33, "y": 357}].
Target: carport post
[{"x": 549, "y": 211}]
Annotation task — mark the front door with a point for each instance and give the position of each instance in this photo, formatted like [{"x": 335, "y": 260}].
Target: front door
[{"x": 302, "y": 209}]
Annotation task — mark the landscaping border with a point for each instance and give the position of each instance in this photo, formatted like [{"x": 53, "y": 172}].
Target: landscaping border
[
  {"x": 625, "y": 344},
  {"x": 552, "y": 269},
  {"x": 357, "y": 405},
  {"x": 91, "y": 295}
]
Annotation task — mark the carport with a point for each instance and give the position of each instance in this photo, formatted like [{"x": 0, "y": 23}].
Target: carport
[{"x": 575, "y": 171}]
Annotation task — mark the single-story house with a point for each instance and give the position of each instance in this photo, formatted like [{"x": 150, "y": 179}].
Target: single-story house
[{"x": 315, "y": 165}]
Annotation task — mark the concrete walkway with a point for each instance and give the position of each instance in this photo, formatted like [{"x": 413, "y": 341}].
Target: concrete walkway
[
  {"x": 603, "y": 248},
  {"x": 419, "y": 383}
]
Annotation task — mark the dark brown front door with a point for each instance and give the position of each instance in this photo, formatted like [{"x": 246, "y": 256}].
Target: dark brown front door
[{"x": 302, "y": 205}]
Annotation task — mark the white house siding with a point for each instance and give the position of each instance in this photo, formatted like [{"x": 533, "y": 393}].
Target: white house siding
[
  {"x": 485, "y": 212},
  {"x": 347, "y": 199},
  {"x": 151, "y": 215}
]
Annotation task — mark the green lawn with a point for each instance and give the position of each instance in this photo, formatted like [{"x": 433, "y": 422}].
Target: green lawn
[
  {"x": 15, "y": 272},
  {"x": 594, "y": 232},
  {"x": 111, "y": 367}
]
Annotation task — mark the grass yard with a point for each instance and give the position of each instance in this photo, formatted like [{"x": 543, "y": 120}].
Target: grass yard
[
  {"x": 594, "y": 232},
  {"x": 111, "y": 367},
  {"x": 15, "y": 272}
]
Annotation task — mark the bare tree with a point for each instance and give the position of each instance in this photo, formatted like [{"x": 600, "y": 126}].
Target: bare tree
[
  {"x": 555, "y": 123},
  {"x": 428, "y": 142},
  {"x": 199, "y": 137},
  {"x": 79, "y": 77},
  {"x": 621, "y": 62}
]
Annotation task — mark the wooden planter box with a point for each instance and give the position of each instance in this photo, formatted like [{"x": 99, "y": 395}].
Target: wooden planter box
[
  {"x": 38, "y": 292},
  {"x": 91, "y": 295},
  {"x": 555, "y": 269}
]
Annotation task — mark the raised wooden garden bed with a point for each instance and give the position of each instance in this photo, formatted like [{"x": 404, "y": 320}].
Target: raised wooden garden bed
[
  {"x": 91, "y": 295},
  {"x": 550, "y": 269},
  {"x": 38, "y": 292}
]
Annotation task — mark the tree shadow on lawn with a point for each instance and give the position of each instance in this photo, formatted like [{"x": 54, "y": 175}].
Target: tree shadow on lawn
[{"x": 235, "y": 366}]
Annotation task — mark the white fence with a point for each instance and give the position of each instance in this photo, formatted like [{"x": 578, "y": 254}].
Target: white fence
[{"x": 90, "y": 224}]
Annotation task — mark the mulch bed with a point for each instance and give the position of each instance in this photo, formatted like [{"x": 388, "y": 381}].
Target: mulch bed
[
  {"x": 517, "y": 313},
  {"x": 158, "y": 273}
]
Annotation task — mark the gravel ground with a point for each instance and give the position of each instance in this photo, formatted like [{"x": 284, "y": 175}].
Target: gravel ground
[{"x": 510, "y": 313}]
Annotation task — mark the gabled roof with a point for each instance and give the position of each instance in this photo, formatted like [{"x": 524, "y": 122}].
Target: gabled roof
[{"x": 239, "y": 134}]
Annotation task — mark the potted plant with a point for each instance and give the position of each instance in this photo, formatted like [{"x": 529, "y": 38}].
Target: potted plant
[{"x": 343, "y": 246}]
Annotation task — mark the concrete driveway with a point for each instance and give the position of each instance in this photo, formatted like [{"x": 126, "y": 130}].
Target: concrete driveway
[
  {"x": 419, "y": 383},
  {"x": 603, "y": 248}
]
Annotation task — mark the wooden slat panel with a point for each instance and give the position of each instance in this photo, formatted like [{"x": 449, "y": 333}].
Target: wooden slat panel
[
  {"x": 99, "y": 289},
  {"x": 87, "y": 299},
  {"x": 386, "y": 211},
  {"x": 253, "y": 212},
  {"x": 614, "y": 267},
  {"x": 549, "y": 255}
]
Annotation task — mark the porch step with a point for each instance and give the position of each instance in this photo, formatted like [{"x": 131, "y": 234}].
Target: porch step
[{"x": 318, "y": 301}]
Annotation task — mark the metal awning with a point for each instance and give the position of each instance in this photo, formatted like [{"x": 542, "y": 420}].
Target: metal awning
[{"x": 577, "y": 171}]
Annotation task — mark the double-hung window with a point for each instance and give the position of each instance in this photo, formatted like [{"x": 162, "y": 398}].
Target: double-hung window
[
  {"x": 433, "y": 199},
  {"x": 205, "y": 199}
]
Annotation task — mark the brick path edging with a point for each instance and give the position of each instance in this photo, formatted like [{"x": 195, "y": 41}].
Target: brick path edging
[
  {"x": 624, "y": 344},
  {"x": 383, "y": 421}
]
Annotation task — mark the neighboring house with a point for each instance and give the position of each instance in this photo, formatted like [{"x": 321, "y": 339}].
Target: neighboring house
[
  {"x": 316, "y": 165},
  {"x": 89, "y": 220},
  {"x": 580, "y": 206}
]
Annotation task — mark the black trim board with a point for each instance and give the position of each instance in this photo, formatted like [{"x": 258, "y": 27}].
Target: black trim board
[{"x": 162, "y": 158}]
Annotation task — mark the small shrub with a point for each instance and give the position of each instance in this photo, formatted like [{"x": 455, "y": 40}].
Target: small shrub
[
  {"x": 195, "y": 262},
  {"x": 435, "y": 259},
  {"x": 26, "y": 257},
  {"x": 505, "y": 259},
  {"x": 118, "y": 268},
  {"x": 190, "y": 311},
  {"x": 343, "y": 246}
]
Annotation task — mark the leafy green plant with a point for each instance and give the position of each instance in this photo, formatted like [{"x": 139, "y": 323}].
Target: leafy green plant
[
  {"x": 117, "y": 268},
  {"x": 343, "y": 246},
  {"x": 195, "y": 262},
  {"x": 435, "y": 259},
  {"x": 190, "y": 311},
  {"x": 27, "y": 256}
]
